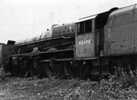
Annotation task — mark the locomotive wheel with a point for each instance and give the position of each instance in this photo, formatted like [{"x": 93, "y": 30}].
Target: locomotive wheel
[
  {"x": 67, "y": 70},
  {"x": 58, "y": 69},
  {"x": 86, "y": 73},
  {"x": 84, "y": 70},
  {"x": 50, "y": 69},
  {"x": 66, "y": 73},
  {"x": 49, "y": 72}
]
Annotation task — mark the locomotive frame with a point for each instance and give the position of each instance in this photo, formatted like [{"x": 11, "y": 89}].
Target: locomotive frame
[{"x": 89, "y": 52}]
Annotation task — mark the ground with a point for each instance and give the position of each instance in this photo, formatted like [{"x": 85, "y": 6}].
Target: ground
[{"x": 12, "y": 88}]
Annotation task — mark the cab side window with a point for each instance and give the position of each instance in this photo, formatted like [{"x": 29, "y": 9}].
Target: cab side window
[
  {"x": 88, "y": 26},
  {"x": 84, "y": 27}
]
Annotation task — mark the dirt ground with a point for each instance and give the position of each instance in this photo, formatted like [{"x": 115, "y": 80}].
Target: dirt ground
[{"x": 58, "y": 89}]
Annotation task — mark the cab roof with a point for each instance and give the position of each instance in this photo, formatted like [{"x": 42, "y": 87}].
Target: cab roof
[
  {"x": 124, "y": 9},
  {"x": 86, "y": 18}
]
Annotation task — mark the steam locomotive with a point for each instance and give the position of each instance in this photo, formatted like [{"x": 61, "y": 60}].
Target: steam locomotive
[{"x": 97, "y": 45}]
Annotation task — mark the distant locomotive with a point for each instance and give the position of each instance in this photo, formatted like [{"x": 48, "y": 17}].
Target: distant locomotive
[
  {"x": 63, "y": 30},
  {"x": 94, "y": 46}
]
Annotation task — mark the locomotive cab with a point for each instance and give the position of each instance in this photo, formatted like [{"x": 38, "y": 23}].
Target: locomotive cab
[
  {"x": 90, "y": 35},
  {"x": 85, "y": 35}
]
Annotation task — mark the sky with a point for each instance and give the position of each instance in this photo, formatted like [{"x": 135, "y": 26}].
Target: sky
[{"x": 24, "y": 19}]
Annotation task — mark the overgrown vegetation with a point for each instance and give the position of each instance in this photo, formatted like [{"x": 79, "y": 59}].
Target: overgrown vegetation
[{"x": 115, "y": 88}]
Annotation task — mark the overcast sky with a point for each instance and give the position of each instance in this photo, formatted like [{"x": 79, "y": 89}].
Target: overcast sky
[{"x": 24, "y": 19}]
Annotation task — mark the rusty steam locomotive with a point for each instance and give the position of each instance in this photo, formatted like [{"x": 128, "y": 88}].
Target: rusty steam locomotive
[{"x": 97, "y": 45}]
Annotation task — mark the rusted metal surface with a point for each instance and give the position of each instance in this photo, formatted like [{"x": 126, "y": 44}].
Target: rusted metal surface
[
  {"x": 85, "y": 45},
  {"x": 44, "y": 45},
  {"x": 120, "y": 34}
]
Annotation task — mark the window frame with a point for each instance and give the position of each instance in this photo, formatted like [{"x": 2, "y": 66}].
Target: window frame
[{"x": 85, "y": 30}]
